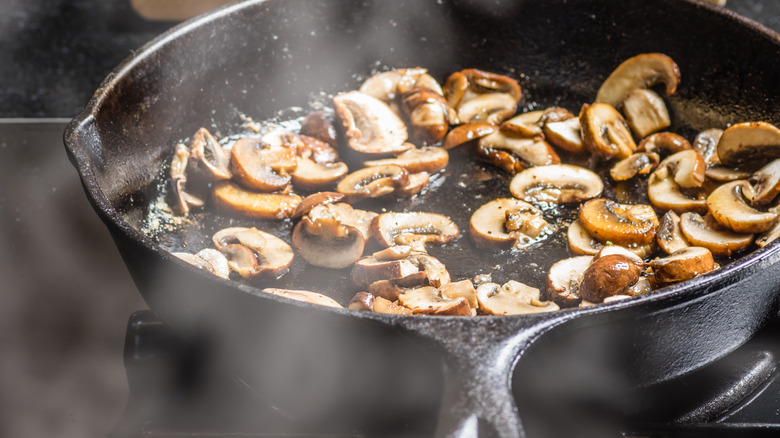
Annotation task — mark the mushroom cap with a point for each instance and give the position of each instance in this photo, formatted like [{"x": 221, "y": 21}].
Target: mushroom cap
[
  {"x": 531, "y": 151},
  {"x": 641, "y": 71},
  {"x": 557, "y": 183},
  {"x": 524, "y": 125},
  {"x": 565, "y": 134},
  {"x": 645, "y": 112},
  {"x": 427, "y": 300},
  {"x": 467, "y": 132},
  {"x": 513, "y": 298},
  {"x": 607, "y": 276},
  {"x": 402, "y": 228},
  {"x": 373, "y": 182},
  {"x": 305, "y": 296},
  {"x": 314, "y": 200},
  {"x": 310, "y": 175},
  {"x": 368, "y": 270},
  {"x": 729, "y": 204},
  {"x": 605, "y": 132},
  {"x": 230, "y": 197},
  {"x": 321, "y": 125},
  {"x": 623, "y": 224},
  {"x": 327, "y": 242},
  {"x": 488, "y": 225},
  {"x": 563, "y": 280},
  {"x": 669, "y": 235},
  {"x": 371, "y": 127},
  {"x": 766, "y": 183},
  {"x": 362, "y": 301},
  {"x": 749, "y": 141},
  {"x": 707, "y": 233},
  {"x": 580, "y": 241},
  {"x": 706, "y": 143},
  {"x": 210, "y": 156},
  {"x": 273, "y": 255},
  {"x": 429, "y": 159},
  {"x": 639, "y": 163},
  {"x": 683, "y": 264},
  {"x": 253, "y": 161}
]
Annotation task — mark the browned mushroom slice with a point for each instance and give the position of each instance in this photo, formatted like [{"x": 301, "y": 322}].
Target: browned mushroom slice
[
  {"x": 501, "y": 159},
  {"x": 507, "y": 223},
  {"x": 531, "y": 151},
  {"x": 513, "y": 298},
  {"x": 249, "y": 237},
  {"x": 524, "y": 125},
  {"x": 391, "y": 289},
  {"x": 646, "y": 112},
  {"x": 428, "y": 301},
  {"x": 641, "y": 71},
  {"x": 706, "y": 143},
  {"x": 669, "y": 235},
  {"x": 665, "y": 193},
  {"x": 369, "y": 270},
  {"x": 371, "y": 127},
  {"x": 241, "y": 259},
  {"x": 305, "y": 296},
  {"x": 273, "y": 255},
  {"x": 605, "y": 132},
  {"x": 403, "y": 228},
  {"x": 622, "y": 224},
  {"x": 417, "y": 182},
  {"x": 555, "y": 114},
  {"x": 316, "y": 150},
  {"x": 255, "y": 164},
  {"x": 747, "y": 142},
  {"x": 362, "y": 301},
  {"x": 768, "y": 237},
  {"x": 607, "y": 276},
  {"x": 426, "y": 159},
  {"x": 729, "y": 204},
  {"x": 310, "y": 175},
  {"x": 435, "y": 271},
  {"x": 385, "y": 85},
  {"x": 563, "y": 281},
  {"x": 228, "y": 196},
  {"x": 382, "y": 305},
  {"x": 721, "y": 173},
  {"x": 686, "y": 168},
  {"x": 211, "y": 158},
  {"x": 479, "y": 96},
  {"x": 640, "y": 163},
  {"x": 314, "y": 200},
  {"x": 321, "y": 125},
  {"x": 426, "y": 111},
  {"x": 766, "y": 184},
  {"x": 373, "y": 182},
  {"x": 178, "y": 172},
  {"x": 683, "y": 264},
  {"x": 706, "y": 232},
  {"x": 580, "y": 241},
  {"x": 345, "y": 214},
  {"x": 559, "y": 183},
  {"x": 565, "y": 134},
  {"x": 327, "y": 242},
  {"x": 460, "y": 289},
  {"x": 664, "y": 143},
  {"x": 465, "y": 133}
]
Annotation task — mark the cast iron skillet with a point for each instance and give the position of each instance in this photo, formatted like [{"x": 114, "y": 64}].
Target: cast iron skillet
[{"x": 258, "y": 57}]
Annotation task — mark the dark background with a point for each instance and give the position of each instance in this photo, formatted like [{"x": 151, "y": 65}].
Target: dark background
[{"x": 65, "y": 295}]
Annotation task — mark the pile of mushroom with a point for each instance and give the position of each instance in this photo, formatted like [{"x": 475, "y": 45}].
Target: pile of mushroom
[{"x": 713, "y": 197}]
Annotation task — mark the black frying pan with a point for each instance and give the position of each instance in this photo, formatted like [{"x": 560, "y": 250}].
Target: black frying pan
[{"x": 258, "y": 57}]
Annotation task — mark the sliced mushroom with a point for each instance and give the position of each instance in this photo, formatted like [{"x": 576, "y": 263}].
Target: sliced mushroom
[
  {"x": 369, "y": 270},
  {"x": 663, "y": 188},
  {"x": 258, "y": 166},
  {"x": 669, "y": 235},
  {"x": 747, "y": 142},
  {"x": 623, "y": 224},
  {"x": 769, "y": 236},
  {"x": 683, "y": 264},
  {"x": 322, "y": 126},
  {"x": 314, "y": 200},
  {"x": 178, "y": 172},
  {"x": 646, "y": 112},
  {"x": 531, "y": 151},
  {"x": 566, "y": 134},
  {"x": 428, "y": 301},
  {"x": 435, "y": 271},
  {"x": 501, "y": 159},
  {"x": 580, "y": 241},
  {"x": 460, "y": 289},
  {"x": 465, "y": 133},
  {"x": 641, "y": 287},
  {"x": 217, "y": 261},
  {"x": 527, "y": 125},
  {"x": 605, "y": 132},
  {"x": 317, "y": 150},
  {"x": 417, "y": 182},
  {"x": 706, "y": 232},
  {"x": 230, "y": 197},
  {"x": 507, "y": 223},
  {"x": 563, "y": 281},
  {"x": 382, "y": 305},
  {"x": 729, "y": 204},
  {"x": 559, "y": 183},
  {"x": 371, "y": 127},
  {"x": 766, "y": 184},
  {"x": 720, "y": 173},
  {"x": 640, "y": 163},
  {"x": 210, "y": 157},
  {"x": 608, "y": 276},
  {"x": 327, "y": 242},
  {"x": 426, "y": 111},
  {"x": 385, "y": 85},
  {"x": 241, "y": 259},
  {"x": 310, "y": 175},
  {"x": 305, "y": 296},
  {"x": 479, "y": 96},
  {"x": 345, "y": 214},
  {"x": 273, "y": 255},
  {"x": 686, "y": 168},
  {"x": 429, "y": 159},
  {"x": 513, "y": 298},
  {"x": 373, "y": 182},
  {"x": 664, "y": 144},
  {"x": 621, "y": 251},
  {"x": 362, "y": 301},
  {"x": 706, "y": 143},
  {"x": 641, "y": 71},
  {"x": 403, "y": 228}
]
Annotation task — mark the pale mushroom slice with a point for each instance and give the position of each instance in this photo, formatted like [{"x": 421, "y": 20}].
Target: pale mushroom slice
[
  {"x": 345, "y": 214},
  {"x": 683, "y": 264},
  {"x": 382, "y": 305},
  {"x": 465, "y": 133},
  {"x": 605, "y": 132},
  {"x": 729, "y": 204},
  {"x": 310, "y": 175},
  {"x": 507, "y": 223},
  {"x": 370, "y": 126},
  {"x": 563, "y": 281},
  {"x": 512, "y": 298},
  {"x": 230, "y": 197},
  {"x": 427, "y": 113},
  {"x": 766, "y": 184},
  {"x": 305, "y": 296},
  {"x": 768, "y": 237},
  {"x": 707, "y": 233},
  {"x": 747, "y": 142},
  {"x": 664, "y": 144},
  {"x": 217, "y": 260},
  {"x": 369, "y": 270},
  {"x": 641, "y": 71},
  {"x": 259, "y": 166},
  {"x": 273, "y": 255},
  {"x": 417, "y": 182},
  {"x": 327, "y": 242},
  {"x": 639, "y": 163},
  {"x": 531, "y": 152},
  {"x": 720, "y": 173},
  {"x": 706, "y": 143},
  {"x": 479, "y": 96},
  {"x": 565, "y": 134},
  {"x": 686, "y": 168},
  {"x": 315, "y": 199},
  {"x": 429, "y": 159},
  {"x": 621, "y": 251},
  {"x": 404, "y": 228},
  {"x": 622, "y": 224},
  {"x": 221, "y": 270},
  {"x": 527, "y": 125},
  {"x": 666, "y": 194},
  {"x": 580, "y": 241},
  {"x": 428, "y": 301},
  {"x": 558, "y": 183},
  {"x": 178, "y": 173},
  {"x": 669, "y": 235},
  {"x": 373, "y": 182},
  {"x": 460, "y": 289},
  {"x": 209, "y": 156},
  {"x": 387, "y": 86},
  {"x": 608, "y": 276},
  {"x": 646, "y": 112}
]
